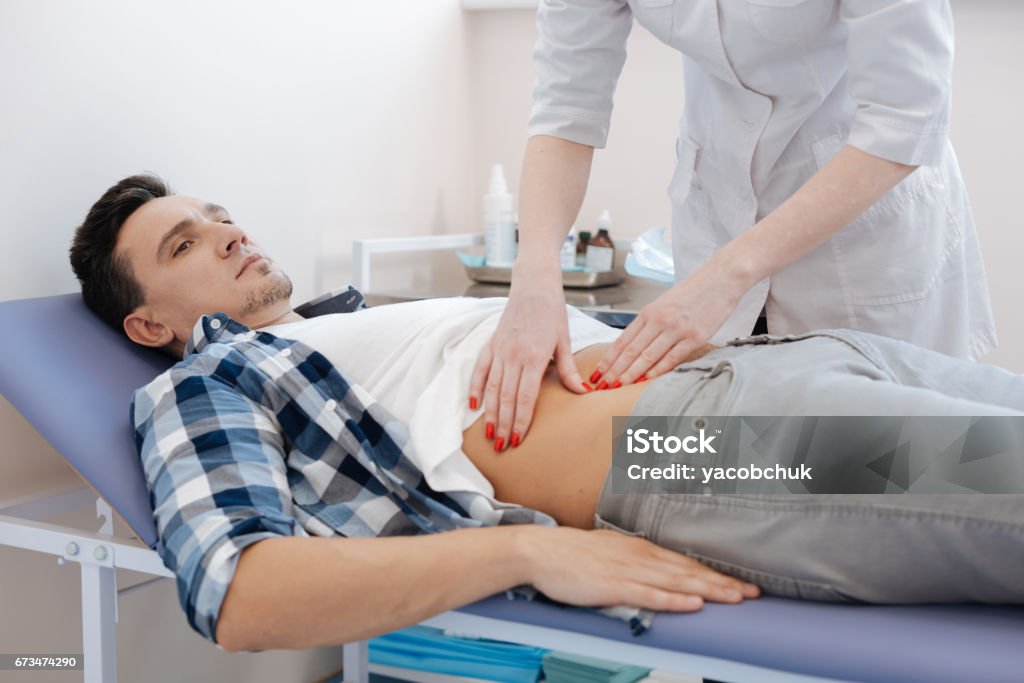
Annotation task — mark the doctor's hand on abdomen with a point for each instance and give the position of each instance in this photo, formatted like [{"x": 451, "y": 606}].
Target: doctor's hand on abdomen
[
  {"x": 676, "y": 325},
  {"x": 533, "y": 330}
]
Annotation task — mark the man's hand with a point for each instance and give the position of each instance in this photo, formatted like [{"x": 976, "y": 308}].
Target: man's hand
[
  {"x": 601, "y": 568},
  {"x": 533, "y": 328}
]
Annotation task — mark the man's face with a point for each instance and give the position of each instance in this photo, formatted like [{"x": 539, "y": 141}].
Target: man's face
[{"x": 192, "y": 260}]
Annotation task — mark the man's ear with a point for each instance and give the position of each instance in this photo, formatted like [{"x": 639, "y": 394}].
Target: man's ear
[{"x": 142, "y": 329}]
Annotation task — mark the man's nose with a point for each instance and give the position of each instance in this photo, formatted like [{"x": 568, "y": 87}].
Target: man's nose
[{"x": 230, "y": 240}]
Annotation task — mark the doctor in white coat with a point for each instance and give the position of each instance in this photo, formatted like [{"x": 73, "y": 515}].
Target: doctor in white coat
[{"x": 815, "y": 178}]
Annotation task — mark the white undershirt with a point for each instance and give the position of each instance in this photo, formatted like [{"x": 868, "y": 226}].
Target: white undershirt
[{"x": 417, "y": 359}]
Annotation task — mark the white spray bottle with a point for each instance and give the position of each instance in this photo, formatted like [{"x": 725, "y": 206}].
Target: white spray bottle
[{"x": 499, "y": 227}]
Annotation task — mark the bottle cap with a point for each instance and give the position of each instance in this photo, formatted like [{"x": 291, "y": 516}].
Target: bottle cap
[
  {"x": 585, "y": 235},
  {"x": 605, "y": 220},
  {"x": 498, "y": 184}
]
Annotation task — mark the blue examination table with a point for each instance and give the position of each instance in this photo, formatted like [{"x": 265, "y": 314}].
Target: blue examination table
[{"x": 72, "y": 378}]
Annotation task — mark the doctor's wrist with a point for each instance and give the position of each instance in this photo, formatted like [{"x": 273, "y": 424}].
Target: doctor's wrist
[
  {"x": 543, "y": 273},
  {"x": 738, "y": 266}
]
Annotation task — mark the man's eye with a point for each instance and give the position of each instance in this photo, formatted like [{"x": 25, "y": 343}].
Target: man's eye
[{"x": 182, "y": 247}]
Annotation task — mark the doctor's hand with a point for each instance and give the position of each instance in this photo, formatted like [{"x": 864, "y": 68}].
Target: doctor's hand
[
  {"x": 670, "y": 329},
  {"x": 533, "y": 328}
]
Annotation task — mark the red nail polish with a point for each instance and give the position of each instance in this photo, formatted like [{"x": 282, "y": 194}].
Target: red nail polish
[
  {"x": 472, "y": 402},
  {"x": 616, "y": 384},
  {"x": 499, "y": 443},
  {"x": 602, "y": 385},
  {"x": 489, "y": 431},
  {"x": 588, "y": 387},
  {"x": 641, "y": 378},
  {"x": 515, "y": 440},
  {"x": 595, "y": 377}
]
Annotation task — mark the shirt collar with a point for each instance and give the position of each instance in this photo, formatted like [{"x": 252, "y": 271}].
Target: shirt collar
[{"x": 214, "y": 329}]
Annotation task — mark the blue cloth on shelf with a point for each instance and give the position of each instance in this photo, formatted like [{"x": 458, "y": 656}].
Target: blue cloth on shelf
[{"x": 428, "y": 649}]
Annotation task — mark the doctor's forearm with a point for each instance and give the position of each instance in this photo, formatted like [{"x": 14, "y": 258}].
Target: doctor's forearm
[
  {"x": 851, "y": 183},
  {"x": 552, "y": 186}
]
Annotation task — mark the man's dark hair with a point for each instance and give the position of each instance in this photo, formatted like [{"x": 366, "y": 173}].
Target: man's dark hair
[{"x": 109, "y": 287}]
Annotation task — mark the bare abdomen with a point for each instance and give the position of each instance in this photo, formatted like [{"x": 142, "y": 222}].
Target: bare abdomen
[{"x": 560, "y": 466}]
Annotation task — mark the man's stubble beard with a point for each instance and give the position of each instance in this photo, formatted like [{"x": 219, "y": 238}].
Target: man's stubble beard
[{"x": 280, "y": 287}]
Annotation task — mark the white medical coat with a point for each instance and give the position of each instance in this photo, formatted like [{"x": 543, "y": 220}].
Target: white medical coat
[{"x": 774, "y": 89}]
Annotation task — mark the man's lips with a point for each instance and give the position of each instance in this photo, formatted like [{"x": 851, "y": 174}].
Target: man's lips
[{"x": 249, "y": 260}]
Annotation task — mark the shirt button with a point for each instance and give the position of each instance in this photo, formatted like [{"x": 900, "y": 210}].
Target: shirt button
[
  {"x": 215, "y": 324},
  {"x": 286, "y": 352},
  {"x": 699, "y": 423},
  {"x": 751, "y": 125},
  {"x": 330, "y": 405}
]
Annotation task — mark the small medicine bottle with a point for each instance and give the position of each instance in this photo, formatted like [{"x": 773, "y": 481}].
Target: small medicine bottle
[
  {"x": 600, "y": 248},
  {"x": 581, "y": 248},
  {"x": 568, "y": 253}
]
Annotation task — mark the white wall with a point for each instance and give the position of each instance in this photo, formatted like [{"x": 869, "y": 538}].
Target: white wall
[
  {"x": 314, "y": 123},
  {"x": 631, "y": 174}
]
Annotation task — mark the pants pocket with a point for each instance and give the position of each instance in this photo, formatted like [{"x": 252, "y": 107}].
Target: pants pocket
[
  {"x": 777, "y": 584},
  {"x": 602, "y": 523}
]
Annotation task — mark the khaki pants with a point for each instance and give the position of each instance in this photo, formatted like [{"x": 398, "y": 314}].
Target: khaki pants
[{"x": 907, "y": 548}]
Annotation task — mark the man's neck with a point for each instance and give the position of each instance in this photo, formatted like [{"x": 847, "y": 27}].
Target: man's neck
[{"x": 265, "y": 320}]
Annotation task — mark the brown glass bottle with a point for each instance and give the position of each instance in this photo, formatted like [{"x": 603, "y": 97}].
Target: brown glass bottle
[{"x": 600, "y": 251}]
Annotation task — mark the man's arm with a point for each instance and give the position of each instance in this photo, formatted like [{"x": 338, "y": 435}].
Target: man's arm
[
  {"x": 250, "y": 577},
  {"x": 298, "y": 593}
]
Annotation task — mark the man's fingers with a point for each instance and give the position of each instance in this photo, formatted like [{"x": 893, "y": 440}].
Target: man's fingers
[
  {"x": 695, "y": 580},
  {"x": 657, "y": 599},
  {"x": 706, "y": 588},
  {"x": 688, "y": 565}
]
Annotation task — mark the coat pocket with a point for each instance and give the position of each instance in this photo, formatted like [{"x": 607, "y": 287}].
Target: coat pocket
[
  {"x": 789, "y": 21},
  {"x": 682, "y": 178},
  {"x": 896, "y": 250},
  {"x": 655, "y": 16}
]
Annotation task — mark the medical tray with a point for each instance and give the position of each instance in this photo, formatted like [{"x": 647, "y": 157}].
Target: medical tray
[{"x": 581, "y": 279}]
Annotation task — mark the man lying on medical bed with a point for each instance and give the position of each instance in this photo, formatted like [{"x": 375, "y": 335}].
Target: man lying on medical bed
[{"x": 294, "y": 464}]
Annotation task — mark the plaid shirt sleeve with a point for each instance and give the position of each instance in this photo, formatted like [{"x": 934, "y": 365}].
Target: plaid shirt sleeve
[{"x": 214, "y": 466}]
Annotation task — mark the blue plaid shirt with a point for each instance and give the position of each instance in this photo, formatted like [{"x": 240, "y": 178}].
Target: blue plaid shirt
[{"x": 253, "y": 436}]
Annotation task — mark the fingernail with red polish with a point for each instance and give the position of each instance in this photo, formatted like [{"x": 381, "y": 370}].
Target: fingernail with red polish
[
  {"x": 499, "y": 443},
  {"x": 472, "y": 402},
  {"x": 515, "y": 440},
  {"x": 489, "y": 431},
  {"x": 587, "y": 387},
  {"x": 616, "y": 384},
  {"x": 602, "y": 385},
  {"x": 641, "y": 378},
  {"x": 595, "y": 377}
]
